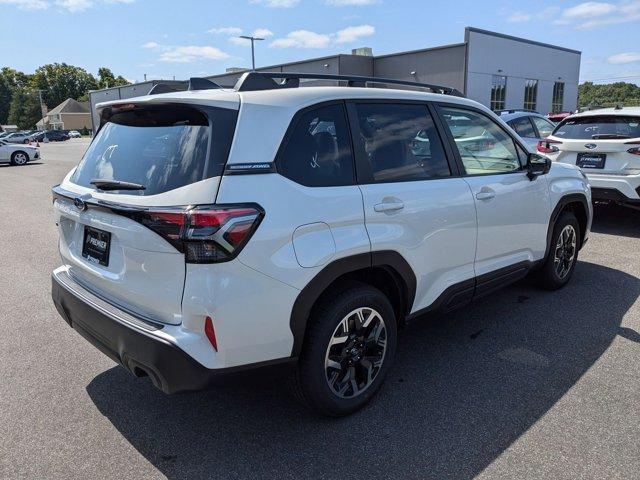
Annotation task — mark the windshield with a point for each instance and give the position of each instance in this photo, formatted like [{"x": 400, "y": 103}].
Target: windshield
[
  {"x": 588, "y": 128},
  {"x": 161, "y": 147}
]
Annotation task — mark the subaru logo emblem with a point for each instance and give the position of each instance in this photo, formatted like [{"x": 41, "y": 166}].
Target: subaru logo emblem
[
  {"x": 79, "y": 204},
  {"x": 590, "y": 146}
]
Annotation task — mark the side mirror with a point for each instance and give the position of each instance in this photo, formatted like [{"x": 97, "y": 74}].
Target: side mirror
[{"x": 537, "y": 165}]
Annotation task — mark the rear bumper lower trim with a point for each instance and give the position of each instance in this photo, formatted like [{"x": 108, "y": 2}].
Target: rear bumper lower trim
[{"x": 131, "y": 342}]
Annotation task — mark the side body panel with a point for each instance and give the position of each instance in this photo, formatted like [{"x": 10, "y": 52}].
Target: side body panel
[
  {"x": 513, "y": 215},
  {"x": 435, "y": 231}
]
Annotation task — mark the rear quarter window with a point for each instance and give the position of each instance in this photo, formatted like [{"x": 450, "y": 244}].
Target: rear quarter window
[{"x": 161, "y": 147}]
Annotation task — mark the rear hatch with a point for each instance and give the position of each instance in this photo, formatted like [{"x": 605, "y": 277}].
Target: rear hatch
[
  {"x": 119, "y": 212},
  {"x": 606, "y": 144}
]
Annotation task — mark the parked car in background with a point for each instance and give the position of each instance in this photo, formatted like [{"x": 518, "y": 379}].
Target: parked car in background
[
  {"x": 558, "y": 117},
  {"x": 52, "y": 135},
  {"x": 74, "y": 134},
  {"x": 605, "y": 144},
  {"x": 531, "y": 126},
  {"x": 16, "y": 154},
  {"x": 18, "y": 137},
  {"x": 340, "y": 213}
]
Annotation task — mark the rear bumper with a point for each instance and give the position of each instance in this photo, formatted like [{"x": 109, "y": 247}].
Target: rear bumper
[
  {"x": 621, "y": 188},
  {"x": 137, "y": 344}
]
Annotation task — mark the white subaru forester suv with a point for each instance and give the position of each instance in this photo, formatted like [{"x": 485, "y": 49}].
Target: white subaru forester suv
[
  {"x": 605, "y": 144},
  {"x": 269, "y": 226}
]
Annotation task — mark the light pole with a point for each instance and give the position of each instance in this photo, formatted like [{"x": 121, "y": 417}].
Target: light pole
[{"x": 253, "y": 55}]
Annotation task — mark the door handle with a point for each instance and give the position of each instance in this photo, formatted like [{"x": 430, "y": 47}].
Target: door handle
[
  {"x": 485, "y": 195},
  {"x": 388, "y": 206}
]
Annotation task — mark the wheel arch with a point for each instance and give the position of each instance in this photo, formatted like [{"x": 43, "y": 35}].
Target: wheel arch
[
  {"x": 386, "y": 270},
  {"x": 13, "y": 154},
  {"x": 576, "y": 203}
]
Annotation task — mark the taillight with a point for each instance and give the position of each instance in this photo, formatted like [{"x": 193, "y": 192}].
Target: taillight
[
  {"x": 633, "y": 150},
  {"x": 547, "y": 146},
  {"x": 205, "y": 234}
]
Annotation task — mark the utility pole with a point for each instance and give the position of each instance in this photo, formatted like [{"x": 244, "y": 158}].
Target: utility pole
[{"x": 253, "y": 55}]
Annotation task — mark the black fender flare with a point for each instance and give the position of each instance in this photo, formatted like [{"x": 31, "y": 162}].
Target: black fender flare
[
  {"x": 311, "y": 292},
  {"x": 563, "y": 202}
]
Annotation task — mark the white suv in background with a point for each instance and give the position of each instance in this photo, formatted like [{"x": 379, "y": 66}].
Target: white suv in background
[
  {"x": 605, "y": 144},
  {"x": 217, "y": 230}
]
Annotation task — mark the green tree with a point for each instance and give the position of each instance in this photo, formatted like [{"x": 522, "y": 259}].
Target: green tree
[
  {"x": 107, "y": 79},
  {"x": 10, "y": 80},
  {"x": 24, "y": 110},
  {"x": 608, "y": 95},
  {"x": 59, "y": 81}
]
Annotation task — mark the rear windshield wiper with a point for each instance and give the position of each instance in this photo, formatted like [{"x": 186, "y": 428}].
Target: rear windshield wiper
[
  {"x": 609, "y": 136},
  {"x": 116, "y": 185}
]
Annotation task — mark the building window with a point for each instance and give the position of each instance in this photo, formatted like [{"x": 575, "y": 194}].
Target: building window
[
  {"x": 498, "y": 92},
  {"x": 530, "y": 94},
  {"x": 558, "y": 97}
]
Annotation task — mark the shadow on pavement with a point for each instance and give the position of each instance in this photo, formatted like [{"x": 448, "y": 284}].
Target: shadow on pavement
[
  {"x": 616, "y": 220},
  {"x": 28, "y": 164},
  {"x": 464, "y": 387}
]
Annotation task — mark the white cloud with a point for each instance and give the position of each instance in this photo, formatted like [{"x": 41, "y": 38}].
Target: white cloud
[
  {"x": 308, "y": 39},
  {"x": 75, "y": 5},
  {"x": 622, "y": 58},
  {"x": 584, "y": 15},
  {"x": 589, "y": 10},
  {"x": 243, "y": 42},
  {"x": 277, "y": 3},
  {"x": 351, "y": 34},
  {"x": 262, "y": 33},
  {"x": 190, "y": 53},
  {"x": 355, "y": 3},
  {"x": 518, "y": 17},
  {"x": 302, "y": 39},
  {"x": 225, "y": 31},
  {"x": 185, "y": 53},
  {"x": 69, "y": 5},
  {"x": 26, "y": 4}
]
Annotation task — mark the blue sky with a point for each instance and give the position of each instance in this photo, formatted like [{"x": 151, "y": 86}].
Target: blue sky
[{"x": 185, "y": 38}]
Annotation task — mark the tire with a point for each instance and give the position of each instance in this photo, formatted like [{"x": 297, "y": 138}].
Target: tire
[
  {"x": 563, "y": 253},
  {"x": 19, "y": 158},
  {"x": 323, "y": 379}
]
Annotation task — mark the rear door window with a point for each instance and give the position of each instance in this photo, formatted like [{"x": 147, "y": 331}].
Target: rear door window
[
  {"x": 160, "y": 147},
  {"x": 545, "y": 127},
  {"x": 401, "y": 142},
  {"x": 599, "y": 127},
  {"x": 523, "y": 127},
  {"x": 317, "y": 152}
]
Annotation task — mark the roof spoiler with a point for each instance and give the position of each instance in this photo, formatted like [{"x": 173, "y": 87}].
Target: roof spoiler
[{"x": 195, "y": 83}]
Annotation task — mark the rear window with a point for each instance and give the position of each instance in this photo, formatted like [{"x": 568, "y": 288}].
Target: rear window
[
  {"x": 599, "y": 127},
  {"x": 161, "y": 147}
]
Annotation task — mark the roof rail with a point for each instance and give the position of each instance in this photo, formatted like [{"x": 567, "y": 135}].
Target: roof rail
[
  {"x": 196, "y": 83},
  {"x": 251, "y": 81}
]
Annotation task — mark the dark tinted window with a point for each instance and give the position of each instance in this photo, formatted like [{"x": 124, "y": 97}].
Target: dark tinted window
[
  {"x": 587, "y": 128},
  {"x": 160, "y": 147},
  {"x": 401, "y": 142},
  {"x": 318, "y": 150},
  {"x": 523, "y": 127}
]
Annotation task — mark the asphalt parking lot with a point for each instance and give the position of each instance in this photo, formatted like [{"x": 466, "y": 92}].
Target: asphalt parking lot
[{"x": 524, "y": 384}]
